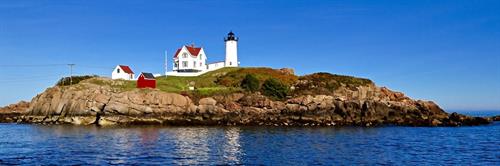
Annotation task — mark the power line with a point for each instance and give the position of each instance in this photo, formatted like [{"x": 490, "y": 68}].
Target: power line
[
  {"x": 52, "y": 65},
  {"x": 95, "y": 67},
  {"x": 33, "y": 65},
  {"x": 46, "y": 78},
  {"x": 24, "y": 78},
  {"x": 29, "y": 80},
  {"x": 17, "y": 76}
]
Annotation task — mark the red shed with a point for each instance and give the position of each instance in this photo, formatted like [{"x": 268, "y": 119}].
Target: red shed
[{"x": 146, "y": 80}]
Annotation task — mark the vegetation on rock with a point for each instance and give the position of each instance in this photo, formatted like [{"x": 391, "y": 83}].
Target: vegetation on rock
[
  {"x": 275, "y": 89},
  {"x": 73, "y": 80},
  {"x": 233, "y": 80},
  {"x": 250, "y": 83},
  {"x": 326, "y": 83}
]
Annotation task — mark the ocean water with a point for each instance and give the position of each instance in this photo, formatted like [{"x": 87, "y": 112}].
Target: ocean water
[{"x": 160, "y": 145}]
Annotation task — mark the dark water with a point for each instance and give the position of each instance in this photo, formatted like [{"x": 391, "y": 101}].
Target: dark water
[{"x": 76, "y": 145}]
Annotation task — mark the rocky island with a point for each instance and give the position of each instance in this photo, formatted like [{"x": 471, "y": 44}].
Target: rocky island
[{"x": 232, "y": 96}]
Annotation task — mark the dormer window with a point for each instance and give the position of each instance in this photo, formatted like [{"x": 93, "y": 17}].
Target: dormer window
[{"x": 117, "y": 70}]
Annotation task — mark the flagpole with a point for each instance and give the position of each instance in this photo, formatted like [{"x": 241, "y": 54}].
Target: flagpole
[{"x": 166, "y": 63}]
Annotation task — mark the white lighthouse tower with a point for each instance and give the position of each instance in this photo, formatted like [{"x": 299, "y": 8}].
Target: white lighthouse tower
[{"x": 231, "y": 50}]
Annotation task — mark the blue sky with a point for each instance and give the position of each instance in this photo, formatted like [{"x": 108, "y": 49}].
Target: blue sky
[{"x": 447, "y": 51}]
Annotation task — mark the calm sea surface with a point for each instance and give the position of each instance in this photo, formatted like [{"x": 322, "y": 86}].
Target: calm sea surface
[{"x": 77, "y": 145}]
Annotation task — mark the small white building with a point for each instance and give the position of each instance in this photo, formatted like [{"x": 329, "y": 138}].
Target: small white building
[
  {"x": 123, "y": 72},
  {"x": 190, "y": 60}
]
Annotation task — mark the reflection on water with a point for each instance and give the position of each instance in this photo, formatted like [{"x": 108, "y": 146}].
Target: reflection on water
[
  {"x": 199, "y": 145},
  {"x": 232, "y": 147},
  {"x": 191, "y": 146},
  {"x": 156, "y": 145},
  {"x": 149, "y": 135}
]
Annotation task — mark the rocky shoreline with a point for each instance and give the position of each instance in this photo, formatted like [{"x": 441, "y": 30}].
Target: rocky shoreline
[
  {"x": 13, "y": 112},
  {"x": 90, "y": 104}
]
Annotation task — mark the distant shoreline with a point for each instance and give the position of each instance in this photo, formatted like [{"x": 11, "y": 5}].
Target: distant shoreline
[{"x": 482, "y": 113}]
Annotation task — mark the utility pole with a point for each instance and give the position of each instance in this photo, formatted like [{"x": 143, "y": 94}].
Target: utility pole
[{"x": 71, "y": 73}]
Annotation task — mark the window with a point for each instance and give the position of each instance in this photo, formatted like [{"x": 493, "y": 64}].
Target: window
[
  {"x": 184, "y": 55},
  {"x": 230, "y": 63},
  {"x": 194, "y": 64},
  {"x": 184, "y": 64},
  {"x": 201, "y": 64},
  {"x": 176, "y": 64},
  {"x": 201, "y": 56},
  {"x": 117, "y": 70}
]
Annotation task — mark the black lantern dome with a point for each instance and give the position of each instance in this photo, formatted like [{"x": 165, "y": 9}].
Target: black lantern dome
[{"x": 230, "y": 36}]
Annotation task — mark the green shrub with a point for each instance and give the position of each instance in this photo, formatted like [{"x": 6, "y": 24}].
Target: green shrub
[
  {"x": 73, "y": 80},
  {"x": 250, "y": 83},
  {"x": 274, "y": 89}
]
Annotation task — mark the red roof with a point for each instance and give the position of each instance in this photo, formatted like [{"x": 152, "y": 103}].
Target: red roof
[
  {"x": 126, "y": 69},
  {"x": 194, "y": 51}
]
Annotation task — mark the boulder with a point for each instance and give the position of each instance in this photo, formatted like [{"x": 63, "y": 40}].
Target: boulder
[
  {"x": 292, "y": 107},
  {"x": 207, "y": 101},
  {"x": 287, "y": 71},
  {"x": 233, "y": 106}
]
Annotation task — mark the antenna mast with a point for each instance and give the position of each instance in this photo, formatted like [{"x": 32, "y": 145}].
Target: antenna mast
[{"x": 71, "y": 73}]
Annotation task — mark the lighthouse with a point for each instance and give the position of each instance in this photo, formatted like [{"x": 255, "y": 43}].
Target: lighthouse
[{"x": 231, "y": 50}]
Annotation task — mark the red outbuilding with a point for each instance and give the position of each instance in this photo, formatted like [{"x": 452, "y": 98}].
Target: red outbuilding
[{"x": 146, "y": 80}]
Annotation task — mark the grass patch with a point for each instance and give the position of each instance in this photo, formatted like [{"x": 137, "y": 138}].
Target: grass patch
[
  {"x": 122, "y": 85},
  {"x": 205, "y": 81},
  {"x": 234, "y": 78},
  {"x": 211, "y": 91}
]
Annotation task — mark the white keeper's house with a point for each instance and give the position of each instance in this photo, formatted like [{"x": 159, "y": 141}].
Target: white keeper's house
[
  {"x": 190, "y": 60},
  {"x": 122, "y": 72}
]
